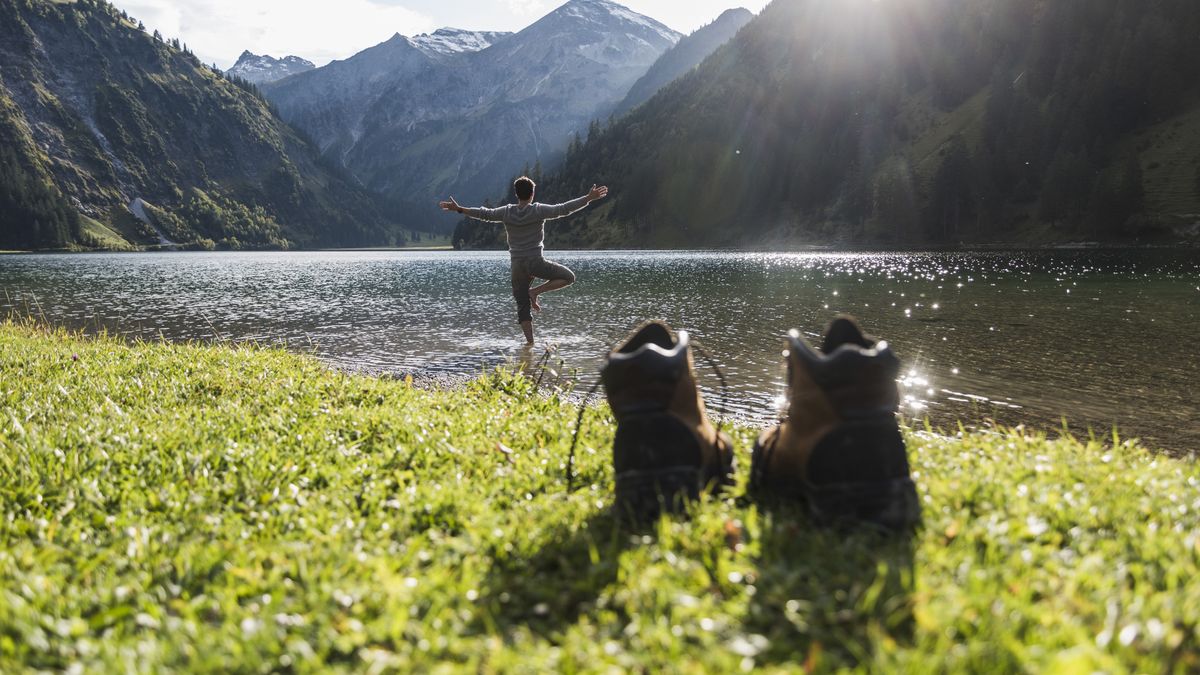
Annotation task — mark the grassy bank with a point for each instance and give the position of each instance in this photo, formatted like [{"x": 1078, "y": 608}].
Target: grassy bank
[{"x": 241, "y": 510}]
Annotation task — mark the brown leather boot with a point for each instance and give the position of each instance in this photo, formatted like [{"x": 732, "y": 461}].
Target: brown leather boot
[
  {"x": 839, "y": 449},
  {"x": 665, "y": 450}
]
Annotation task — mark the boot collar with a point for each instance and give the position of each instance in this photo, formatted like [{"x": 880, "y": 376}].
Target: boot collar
[
  {"x": 652, "y": 338},
  {"x": 849, "y": 362}
]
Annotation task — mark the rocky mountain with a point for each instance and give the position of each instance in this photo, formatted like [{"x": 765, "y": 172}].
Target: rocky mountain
[
  {"x": 684, "y": 56},
  {"x": 414, "y": 125},
  {"x": 330, "y": 103},
  {"x": 445, "y": 41},
  {"x": 263, "y": 69},
  {"x": 896, "y": 123},
  {"x": 113, "y": 138}
]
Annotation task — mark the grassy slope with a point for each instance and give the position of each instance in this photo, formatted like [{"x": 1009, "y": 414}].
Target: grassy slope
[
  {"x": 1170, "y": 157},
  {"x": 104, "y": 237},
  {"x": 222, "y": 509},
  {"x": 937, "y": 129},
  {"x": 1168, "y": 152}
]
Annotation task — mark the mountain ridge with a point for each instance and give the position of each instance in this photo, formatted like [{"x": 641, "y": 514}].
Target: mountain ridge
[
  {"x": 262, "y": 69},
  {"x": 688, "y": 53},
  {"x": 423, "y": 127}
]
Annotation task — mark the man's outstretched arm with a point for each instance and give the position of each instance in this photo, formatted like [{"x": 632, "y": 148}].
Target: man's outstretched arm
[
  {"x": 567, "y": 208},
  {"x": 478, "y": 213}
]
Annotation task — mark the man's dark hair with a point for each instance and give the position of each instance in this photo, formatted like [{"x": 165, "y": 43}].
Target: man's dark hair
[{"x": 524, "y": 188}]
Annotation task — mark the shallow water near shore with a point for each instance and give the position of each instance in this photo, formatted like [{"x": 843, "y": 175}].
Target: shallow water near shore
[{"x": 1100, "y": 339}]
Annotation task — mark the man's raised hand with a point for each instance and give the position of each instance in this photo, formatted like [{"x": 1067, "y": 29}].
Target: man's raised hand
[
  {"x": 450, "y": 205},
  {"x": 598, "y": 193}
]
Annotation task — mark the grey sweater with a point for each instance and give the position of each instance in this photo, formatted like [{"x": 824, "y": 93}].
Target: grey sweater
[{"x": 526, "y": 225}]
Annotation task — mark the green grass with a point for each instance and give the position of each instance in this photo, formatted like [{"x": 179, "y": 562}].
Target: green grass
[
  {"x": 935, "y": 130},
  {"x": 102, "y": 236},
  {"x": 231, "y": 509},
  {"x": 1169, "y": 153}
]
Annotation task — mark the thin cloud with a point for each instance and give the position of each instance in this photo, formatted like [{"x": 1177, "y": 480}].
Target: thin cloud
[
  {"x": 529, "y": 8},
  {"x": 318, "y": 30},
  {"x": 322, "y": 30}
]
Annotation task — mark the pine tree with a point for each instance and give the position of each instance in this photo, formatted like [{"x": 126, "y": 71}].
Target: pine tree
[
  {"x": 1065, "y": 190},
  {"x": 33, "y": 214},
  {"x": 952, "y": 202}
]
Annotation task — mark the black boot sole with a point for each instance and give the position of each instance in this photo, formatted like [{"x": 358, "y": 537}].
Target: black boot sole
[
  {"x": 891, "y": 505},
  {"x": 645, "y": 495},
  {"x": 659, "y": 466},
  {"x": 854, "y": 449}
]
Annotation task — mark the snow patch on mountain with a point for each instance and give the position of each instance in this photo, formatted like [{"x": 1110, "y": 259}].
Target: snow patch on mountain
[
  {"x": 456, "y": 41},
  {"x": 626, "y": 14},
  {"x": 603, "y": 11},
  {"x": 620, "y": 49}
]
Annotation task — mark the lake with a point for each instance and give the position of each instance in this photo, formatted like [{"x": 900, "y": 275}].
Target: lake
[{"x": 1098, "y": 338}]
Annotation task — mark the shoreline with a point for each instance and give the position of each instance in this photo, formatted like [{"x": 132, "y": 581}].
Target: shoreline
[
  {"x": 1078, "y": 246},
  {"x": 385, "y": 249}
]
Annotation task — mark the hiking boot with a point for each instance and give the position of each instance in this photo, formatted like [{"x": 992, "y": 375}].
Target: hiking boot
[
  {"x": 666, "y": 451},
  {"x": 839, "y": 448}
]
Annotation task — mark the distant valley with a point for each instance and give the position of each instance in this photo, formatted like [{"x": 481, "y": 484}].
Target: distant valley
[{"x": 416, "y": 119}]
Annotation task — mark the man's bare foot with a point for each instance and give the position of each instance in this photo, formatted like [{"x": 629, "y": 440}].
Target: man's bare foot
[{"x": 534, "y": 304}]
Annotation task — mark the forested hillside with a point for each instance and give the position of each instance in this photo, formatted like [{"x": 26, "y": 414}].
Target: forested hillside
[
  {"x": 114, "y": 138},
  {"x": 911, "y": 123}
]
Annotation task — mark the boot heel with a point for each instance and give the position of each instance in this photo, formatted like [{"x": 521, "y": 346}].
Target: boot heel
[
  {"x": 646, "y": 494},
  {"x": 860, "y": 472},
  {"x": 891, "y": 505},
  {"x": 657, "y": 462}
]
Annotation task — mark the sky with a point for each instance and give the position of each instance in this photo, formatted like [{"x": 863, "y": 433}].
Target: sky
[{"x": 323, "y": 30}]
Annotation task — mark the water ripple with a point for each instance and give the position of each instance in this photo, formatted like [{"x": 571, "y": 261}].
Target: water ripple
[{"x": 1102, "y": 339}]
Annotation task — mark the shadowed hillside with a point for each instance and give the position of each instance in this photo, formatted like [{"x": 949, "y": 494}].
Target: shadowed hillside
[
  {"x": 114, "y": 138},
  {"x": 911, "y": 123}
]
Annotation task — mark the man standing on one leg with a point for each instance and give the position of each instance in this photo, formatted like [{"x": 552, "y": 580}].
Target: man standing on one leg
[{"x": 525, "y": 225}]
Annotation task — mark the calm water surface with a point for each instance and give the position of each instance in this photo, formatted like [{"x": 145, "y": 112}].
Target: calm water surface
[{"x": 1101, "y": 339}]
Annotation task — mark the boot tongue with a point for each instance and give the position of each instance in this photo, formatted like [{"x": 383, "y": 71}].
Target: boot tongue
[{"x": 844, "y": 331}]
